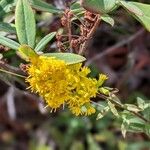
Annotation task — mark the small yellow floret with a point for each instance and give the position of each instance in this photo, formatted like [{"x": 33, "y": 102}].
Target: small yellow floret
[{"x": 58, "y": 83}]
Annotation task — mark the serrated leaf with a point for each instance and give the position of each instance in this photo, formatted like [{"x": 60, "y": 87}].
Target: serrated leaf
[
  {"x": 43, "y": 6},
  {"x": 40, "y": 46},
  {"x": 108, "y": 19},
  {"x": 99, "y": 6},
  {"x": 25, "y": 23},
  {"x": 7, "y": 27},
  {"x": 113, "y": 109},
  {"x": 26, "y": 52},
  {"x": 69, "y": 58},
  {"x": 132, "y": 8},
  {"x": 9, "y": 43},
  {"x": 145, "y": 19}
]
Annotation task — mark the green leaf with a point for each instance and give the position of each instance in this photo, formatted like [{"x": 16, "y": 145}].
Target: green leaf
[
  {"x": 99, "y": 6},
  {"x": 69, "y": 58},
  {"x": 132, "y": 8},
  {"x": 113, "y": 109},
  {"x": 103, "y": 112},
  {"x": 43, "y": 6},
  {"x": 92, "y": 144},
  {"x": 6, "y": 6},
  {"x": 9, "y": 43},
  {"x": 141, "y": 103},
  {"x": 26, "y": 52},
  {"x": 9, "y": 54},
  {"x": 25, "y": 23},
  {"x": 146, "y": 113},
  {"x": 77, "y": 145},
  {"x": 147, "y": 129},
  {"x": 7, "y": 27},
  {"x": 108, "y": 19},
  {"x": 145, "y": 19},
  {"x": 40, "y": 46},
  {"x": 136, "y": 127},
  {"x": 76, "y": 8},
  {"x": 124, "y": 127},
  {"x": 132, "y": 107},
  {"x": 125, "y": 124}
]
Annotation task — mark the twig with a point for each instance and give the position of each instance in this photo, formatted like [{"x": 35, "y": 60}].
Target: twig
[
  {"x": 11, "y": 70},
  {"x": 77, "y": 36},
  {"x": 69, "y": 33},
  {"x": 5, "y": 71},
  {"x": 85, "y": 44},
  {"x": 114, "y": 47},
  {"x": 79, "y": 19}
]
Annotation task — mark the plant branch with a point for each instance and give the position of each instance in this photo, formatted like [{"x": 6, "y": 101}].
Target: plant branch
[
  {"x": 114, "y": 47},
  {"x": 123, "y": 107},
  {"x": 11, "y": 70},
  {"x": 89, "y": 36}
]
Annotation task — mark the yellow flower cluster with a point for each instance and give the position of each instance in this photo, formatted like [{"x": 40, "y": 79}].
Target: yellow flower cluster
[{"x": 58, "y": 84}]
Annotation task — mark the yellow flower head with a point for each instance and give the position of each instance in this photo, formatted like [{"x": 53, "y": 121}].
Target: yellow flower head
[
  {"x": 47, "y": 76},
  {"x": 58, "y": 83}
]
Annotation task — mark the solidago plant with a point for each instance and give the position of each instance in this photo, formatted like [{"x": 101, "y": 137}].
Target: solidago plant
[
  {"x": 59, "y": 84},
  {"x": 61, "y": 79}
]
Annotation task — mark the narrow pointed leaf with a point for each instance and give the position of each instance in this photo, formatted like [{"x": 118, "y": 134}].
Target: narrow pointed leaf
[
  {"x": 43, "y": 6},
  {"x": 132, "y": 107},
  {"x": 9, "y": 43},
  {"x": 69, "y": 58},
  {"x": 113, "y": 109},
  {"x": 25, "y": 23},
  {"x": 102, "y": 113},
  {"x": 7, "y": 27},
  {"x": 40, "y": 46}
]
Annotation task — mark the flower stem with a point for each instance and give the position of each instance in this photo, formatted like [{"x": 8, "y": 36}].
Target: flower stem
[{"x": 5, "y": 71}]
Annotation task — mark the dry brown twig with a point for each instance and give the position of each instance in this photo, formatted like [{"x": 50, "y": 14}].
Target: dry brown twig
[
  {"x": 114, "y": 47},
  {"x": 78, "y": 43}
]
